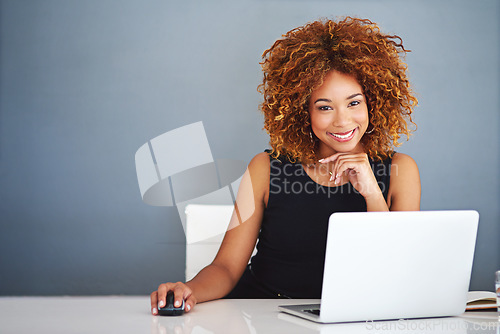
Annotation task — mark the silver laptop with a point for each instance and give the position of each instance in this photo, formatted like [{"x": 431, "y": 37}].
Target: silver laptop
[{"x": 394, "y": 265}]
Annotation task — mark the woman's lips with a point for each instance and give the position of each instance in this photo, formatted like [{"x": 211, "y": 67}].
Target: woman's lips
[{"x": 343, "y": 136}]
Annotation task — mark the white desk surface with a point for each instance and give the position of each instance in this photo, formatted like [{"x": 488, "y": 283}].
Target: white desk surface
[{"x": 120, "y": 314}]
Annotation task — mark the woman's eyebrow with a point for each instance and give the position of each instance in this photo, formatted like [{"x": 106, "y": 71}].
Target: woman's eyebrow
[
  {"x": 353, "y": 96},
  {"x": 323, "y": 100},
  {"x": 348, "y": 98}
]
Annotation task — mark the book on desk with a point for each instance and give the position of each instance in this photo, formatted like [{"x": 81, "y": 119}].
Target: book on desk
[{"x": 481, "y": 300}]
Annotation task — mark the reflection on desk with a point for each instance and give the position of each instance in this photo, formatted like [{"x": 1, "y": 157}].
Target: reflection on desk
[{"x": 132, "y": 315}]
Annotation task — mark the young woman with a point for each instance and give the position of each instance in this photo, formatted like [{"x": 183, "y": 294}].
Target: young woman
[{"x": 336, "y": 100}]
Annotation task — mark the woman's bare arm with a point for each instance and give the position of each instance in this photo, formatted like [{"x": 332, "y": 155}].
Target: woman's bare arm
[{"x": 219, "y": 278}]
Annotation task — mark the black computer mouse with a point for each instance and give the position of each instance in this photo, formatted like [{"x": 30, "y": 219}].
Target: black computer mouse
[{"x": 169, "y": 308}]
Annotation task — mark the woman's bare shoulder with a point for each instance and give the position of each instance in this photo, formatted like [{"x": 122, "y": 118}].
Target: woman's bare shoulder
[
  {"x": 404, "y": 191},
  {"x": 259, "y": 169},
  {"x": 259, "y": 163},
  {"x": 403, "y": 160},
  {"x": 262, "y": 157}
]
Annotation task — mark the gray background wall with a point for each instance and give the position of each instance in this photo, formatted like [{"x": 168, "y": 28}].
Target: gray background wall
[{"x": 85, "y": 83}]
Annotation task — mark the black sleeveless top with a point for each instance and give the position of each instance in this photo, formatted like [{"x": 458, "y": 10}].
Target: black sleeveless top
[{"x": 292, "y": 241}]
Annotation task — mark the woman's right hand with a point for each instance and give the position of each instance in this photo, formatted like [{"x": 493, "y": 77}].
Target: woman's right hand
[{"x": 181, "y": 291}]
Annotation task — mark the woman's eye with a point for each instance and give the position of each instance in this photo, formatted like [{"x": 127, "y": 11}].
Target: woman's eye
[
  {"x": 324, "y": 108},
  {"x": 354, "y": 103}
]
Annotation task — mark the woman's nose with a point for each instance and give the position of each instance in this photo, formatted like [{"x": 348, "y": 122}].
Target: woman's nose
[{"x": 341, "y": 118}]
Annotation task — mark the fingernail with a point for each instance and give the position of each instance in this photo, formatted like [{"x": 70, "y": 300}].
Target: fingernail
[
  {"x": 331, "y": 178},
  {"x": 188, "y": 307},
  {"x": 321, "y": 160},
  {"x": 177, "y": 303},
  {"x": 155, "y": 310},
  {"x": 161, "y": 304}
]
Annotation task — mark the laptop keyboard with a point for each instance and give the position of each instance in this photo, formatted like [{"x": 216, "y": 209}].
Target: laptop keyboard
[{"x": 313, "y": 311}]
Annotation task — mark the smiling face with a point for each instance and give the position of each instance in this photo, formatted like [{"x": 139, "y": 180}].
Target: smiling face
[{"x": 339, "y": 114}]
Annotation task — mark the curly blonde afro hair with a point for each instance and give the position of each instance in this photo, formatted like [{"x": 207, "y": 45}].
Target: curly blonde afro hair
[{"x": 297, "y": 64}]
